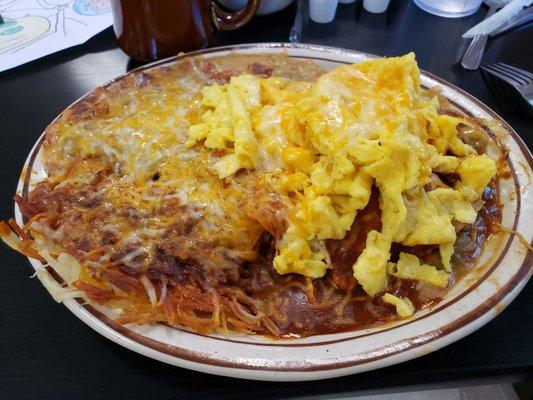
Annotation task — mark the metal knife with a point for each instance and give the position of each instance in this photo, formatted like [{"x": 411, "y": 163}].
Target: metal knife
[{"x": 523, "y": 17}]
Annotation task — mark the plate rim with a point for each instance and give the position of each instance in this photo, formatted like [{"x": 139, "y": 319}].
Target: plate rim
[{"x": 503, "y": 296}]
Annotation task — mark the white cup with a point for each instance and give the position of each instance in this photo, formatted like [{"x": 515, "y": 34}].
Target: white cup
[
  {"x": 322, "y": 11},
  {"x": 375, "y": 6}
]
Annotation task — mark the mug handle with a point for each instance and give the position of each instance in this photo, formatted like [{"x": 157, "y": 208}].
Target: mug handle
[{"x": 226, "y": 21}]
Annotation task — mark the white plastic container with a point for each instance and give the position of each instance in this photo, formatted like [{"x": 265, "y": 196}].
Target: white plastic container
[
  {"x": 266, "y": 7},
  {"x": 449, "y": 8},
  {"x": 376, "y": 6},
  {"x": 322, "y": 11}
]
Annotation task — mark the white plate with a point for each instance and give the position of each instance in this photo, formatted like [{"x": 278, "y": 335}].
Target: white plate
[{"x": 502, "y": 272}]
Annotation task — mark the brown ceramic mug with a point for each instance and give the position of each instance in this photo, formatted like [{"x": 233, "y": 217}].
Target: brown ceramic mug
[{"x": 153, "y": 29}]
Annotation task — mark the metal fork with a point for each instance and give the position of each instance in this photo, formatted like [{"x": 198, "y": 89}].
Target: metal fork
[{"x": 519, "y": 79}]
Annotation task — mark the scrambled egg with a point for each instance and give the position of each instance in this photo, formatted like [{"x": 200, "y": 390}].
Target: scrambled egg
[
  {"x": 404, "y": 307},
  {"x": 229, "y": 121},
  {"x": 323, "y": 146}
]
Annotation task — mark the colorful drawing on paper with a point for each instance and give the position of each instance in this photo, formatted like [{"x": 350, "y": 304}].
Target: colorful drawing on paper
[
  {"x": 91, "y": 7},
  {"x": 15, "y": 34},
  {"x": 34, "y": 28}
]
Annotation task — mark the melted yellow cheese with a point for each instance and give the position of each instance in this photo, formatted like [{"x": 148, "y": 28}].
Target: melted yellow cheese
[{"x": 144, "y": 142}]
